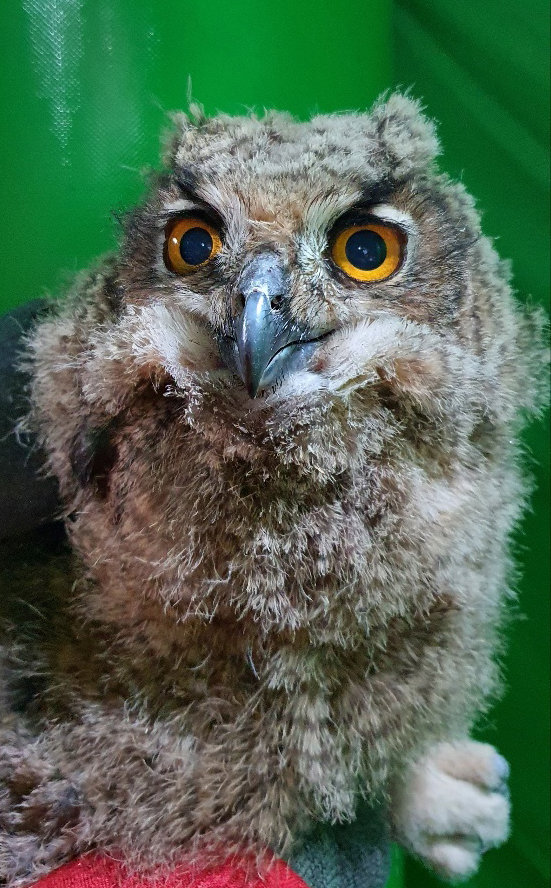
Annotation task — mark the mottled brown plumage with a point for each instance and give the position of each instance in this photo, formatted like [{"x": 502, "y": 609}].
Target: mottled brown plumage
[{"x": 280, "y": 603}]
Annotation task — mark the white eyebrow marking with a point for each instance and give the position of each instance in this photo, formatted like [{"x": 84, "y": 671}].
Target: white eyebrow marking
[
  {"x": 179, "y": 205},
  {"x": 388, "y": 213}
]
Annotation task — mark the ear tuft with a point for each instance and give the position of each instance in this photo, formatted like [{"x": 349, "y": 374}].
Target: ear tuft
[
  {"x": 405, "y": 135},
  {"x": 172, "y": 137},
  {"x": 180, "y": 124}
]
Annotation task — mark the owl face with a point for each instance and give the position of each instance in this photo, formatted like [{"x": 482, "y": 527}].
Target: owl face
[
  {"x": 273, "y": 237},
  {"x": 305, "y": 347}
]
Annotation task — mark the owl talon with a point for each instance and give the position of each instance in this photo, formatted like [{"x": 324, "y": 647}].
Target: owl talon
[
  {"x": 454, "y": 806},
  {"x": 502, "y": 769}
]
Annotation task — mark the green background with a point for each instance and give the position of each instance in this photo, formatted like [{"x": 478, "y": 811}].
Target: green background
[{"x": 84, "y": 90}]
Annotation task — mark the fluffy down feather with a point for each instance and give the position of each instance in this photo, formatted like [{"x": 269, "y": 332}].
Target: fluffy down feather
[{"x": 271, "y": 606}]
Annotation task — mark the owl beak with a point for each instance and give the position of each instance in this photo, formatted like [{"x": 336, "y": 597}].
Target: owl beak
[
  {"x": 256, "y": 335},
  {"x": 266, "y": 342}
]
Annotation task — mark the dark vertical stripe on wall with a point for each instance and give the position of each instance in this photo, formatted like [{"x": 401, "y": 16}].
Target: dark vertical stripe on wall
[{"x": 483, "y": 71}]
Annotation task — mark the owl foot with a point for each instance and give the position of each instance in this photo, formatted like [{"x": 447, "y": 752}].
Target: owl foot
[
  {"x": 38, "y": 809},
  {"x": 453, "y": 806}
]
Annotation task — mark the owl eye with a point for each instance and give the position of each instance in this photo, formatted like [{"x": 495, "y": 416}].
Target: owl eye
[
  {"x": 368, "y": 252},
  {"x": 190, "y": 243}
]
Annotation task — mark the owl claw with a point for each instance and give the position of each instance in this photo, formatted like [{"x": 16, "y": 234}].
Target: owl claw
[
  {"x": 453, "y": 806},
  {"x": 502, "y": 769}
]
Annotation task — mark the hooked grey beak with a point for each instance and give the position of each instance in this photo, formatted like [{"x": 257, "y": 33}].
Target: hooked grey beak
[{"x": 265, "y": 341}]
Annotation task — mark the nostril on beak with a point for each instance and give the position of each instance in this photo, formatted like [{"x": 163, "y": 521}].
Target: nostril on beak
[
  {"x": 276, "y": 302},
  {"x": 239, "y": 301}
]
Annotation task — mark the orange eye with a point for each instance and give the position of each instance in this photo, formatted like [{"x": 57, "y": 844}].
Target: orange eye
[
  {"x": 190, "y": 243},
  {"x": 368, "y": 252}
]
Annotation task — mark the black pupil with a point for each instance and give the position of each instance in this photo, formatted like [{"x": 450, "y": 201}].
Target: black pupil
[
  {"x": 365, "y": 249},
  {"x": 195, "y": 246}
]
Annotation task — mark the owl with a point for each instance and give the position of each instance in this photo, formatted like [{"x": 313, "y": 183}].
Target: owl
[{"x": 283, "y": 419}]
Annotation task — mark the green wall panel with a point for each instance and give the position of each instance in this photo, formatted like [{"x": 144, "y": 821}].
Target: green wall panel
[{"x": 85, "y": 86}]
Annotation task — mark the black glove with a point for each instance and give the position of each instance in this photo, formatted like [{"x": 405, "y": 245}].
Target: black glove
[{"x": 27, "y": 499}]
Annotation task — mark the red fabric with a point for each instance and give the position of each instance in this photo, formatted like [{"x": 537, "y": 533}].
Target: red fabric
[{"x": 93, "y": 871}]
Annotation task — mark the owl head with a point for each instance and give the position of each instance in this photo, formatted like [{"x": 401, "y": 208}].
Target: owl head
[{"x": 286, "y": 262}]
